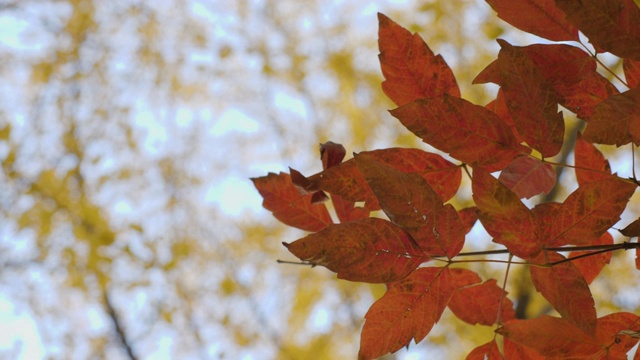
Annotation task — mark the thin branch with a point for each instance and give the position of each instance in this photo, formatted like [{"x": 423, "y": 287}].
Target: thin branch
[{"x": 118, "y": 327}]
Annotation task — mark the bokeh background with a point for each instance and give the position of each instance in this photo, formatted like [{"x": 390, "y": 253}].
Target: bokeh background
[{"x": 128, "y": 133}]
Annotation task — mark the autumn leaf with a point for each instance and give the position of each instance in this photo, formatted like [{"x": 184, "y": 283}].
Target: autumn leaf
[
  {"x": 331, "y": 154},
  {"x": 557, "y": 338},
  {"x": 479, "y": 304},
  {"x": 616, "y": 121},
  {"x": 517, "y": 351},
  {"x": 542, "y": 18},
  {"x": 410, "y": 68},
  {"x": 499, "y": 107},
  {"x": 287, "y": 205},
  {"x": 468, "y": 132},
  {"x": 531, "y": 100},
  {"x": 631, "y": 72},
  {"x": 611, "y": 25},
  {"x": 590, "y": 163},
  {"x": 504, "y": 216},
  {"x": 527, "y": 177},
  {"x": 488, "y": 351},
  {"x": 408, "y": 310},
  {"x": 550, "y": 337},
  {"x": 590, "y": 266},
  {"x": 566, "y": 290},
  {"x": 589, "y": 212},
  {"x": 468, "y": 216},
  {"x": 368, "y": 250},
  {"x": 409, "y": 202},
  {"x": 632, "y": 230}
]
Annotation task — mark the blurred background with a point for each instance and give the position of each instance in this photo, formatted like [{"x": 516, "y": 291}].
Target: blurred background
[{"x": 128, "y": 134}]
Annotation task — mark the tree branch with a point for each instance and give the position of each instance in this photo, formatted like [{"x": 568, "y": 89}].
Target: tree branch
[{"x": 118, "y": 327}]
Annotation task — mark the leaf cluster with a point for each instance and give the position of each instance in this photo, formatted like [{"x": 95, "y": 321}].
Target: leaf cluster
[{"x": 514, "y": 135}]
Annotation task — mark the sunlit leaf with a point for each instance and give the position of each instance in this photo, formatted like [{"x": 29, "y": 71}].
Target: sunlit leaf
[
  {"x": 287, "y": 205},
  {"x": 527, "y": 177},
  {"x": 408, "y": 310},
  {"x": 592, "y": 265},
  {"x": 485, "y": 352},
  {"x": 479, "y": 304}
]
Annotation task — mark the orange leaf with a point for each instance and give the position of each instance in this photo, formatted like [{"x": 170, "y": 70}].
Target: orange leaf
[
  {"x": 616, "y": 121},
  {"x": 410, "y": 68},
  {"x": 531, "y": 100},
  {"x": 488, "y": 351},
  {"x": 409, "y": 201},
  {"x": 619, "y": 333},
  {"x": 566, "y": 290},
  {"x": 590, "y": 211},
  {"x": 611, "y": 25},
  {"x": 287, "y": 205},
  {"x": 516, "y": 351},
  {"x": 550, "y": 337},
  {"x": 468, "y": 132},
  {"x": 583, "y": 97},
  {"x": 631, "y": 72},
  {"x": 527, "y": 177},
  {"x": 591, "y": 266},
  {"x": 408, "y": 310},
  {"x": 590, "y": 163},
  {"x": 479, "y": 304},
  {"x": 347, "y": 211},
  {"x": 369, "y": 250},
  {"x": 538, "y": 17},
  {"x": 504, "y": 216}
]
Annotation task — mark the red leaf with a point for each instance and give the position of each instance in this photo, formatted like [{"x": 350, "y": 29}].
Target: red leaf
[
  {"x": 527, "y": 177},
  {"x": 550, "y": 337},
  {"x": 566, "y": 290},
  {"x": 531, "y": 101},
  {"x": 583, "y": 97},
  {"x": 287, "y": 205},
  {"x": 331, "y": 154},
  {"x": 590, "y": 211},
  {"x": 347, "y": 211},
  {"x": 488, "y": 351},
  {"x": 479, "y": 304},
  {"x": 504, "y": 217},
  {"x": 346, "y": 181},
  {"x": 632, "y": 230},
  {"x": 545, "y": 214},
  {"x": 499, "y": 106},
  {"x": 468, "y": 132},
  {"x": 619, "y": 333},
  {"x": 616, "y": 121},
  {"x": 410, "y": 68},
  {"x": 591, "y": 266},
  {"x": 631, "y": 72},
  {"x": 611, "y": 25},
  {"x": 409, "y": 201},
  {"x": 638, "y": 258},
  {"x": 468, "y": 216},
  {"x": 408, "y": 310},
  {"x": 369, "y": 250},
  {"x": 517, "y": 351},
  {"x": 590, "y": 163},
  {"x": 538, "y": 17}
]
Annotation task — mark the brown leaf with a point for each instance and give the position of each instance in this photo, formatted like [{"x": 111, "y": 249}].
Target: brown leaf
[{"x": 616, "y": 121}]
